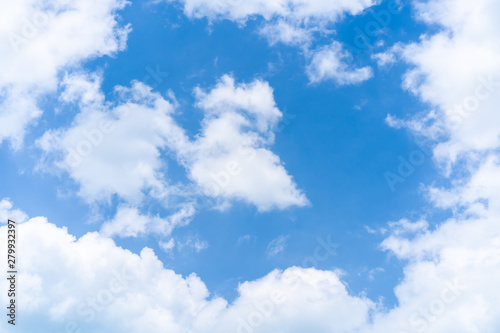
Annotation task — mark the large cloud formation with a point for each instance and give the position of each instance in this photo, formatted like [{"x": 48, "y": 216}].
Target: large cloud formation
[
  {"x": 91, "y": 285},
  {"x": 456, "y": 72}
]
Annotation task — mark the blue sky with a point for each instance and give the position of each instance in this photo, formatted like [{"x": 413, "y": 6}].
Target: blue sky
[
  {"x": 333, "y": 137},
  {"x": 323, "y": 143}
]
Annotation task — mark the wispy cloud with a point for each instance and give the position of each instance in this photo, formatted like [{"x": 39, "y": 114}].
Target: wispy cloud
[{"x": 277, "y": 246}]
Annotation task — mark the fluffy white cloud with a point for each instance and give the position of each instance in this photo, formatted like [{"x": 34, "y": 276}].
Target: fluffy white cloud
[
  {"x": 91, "y": 285},
  {"x": 297, "y": 23},
  {"x": 229, "y": 158},
  {"x": 478, "y": 193},
  {"x": 295, "y": 300},
  {"x": 41, "y": 39},
  {"x": 113, "y": 149},
  {"x": 117, "y": 149},
  {"x": 457, "y": 72},
  {"x": 328, "y": 63},
  {"x": 450, "y": 281}
]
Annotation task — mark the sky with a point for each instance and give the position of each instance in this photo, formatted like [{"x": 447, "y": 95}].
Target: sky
[{"x": 252, "y": 166}]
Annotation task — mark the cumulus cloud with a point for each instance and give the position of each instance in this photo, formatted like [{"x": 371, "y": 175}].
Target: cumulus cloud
[
  {"x": 93, "y": 285},
  {"x": 117, "y": 149},
  {"x": 296, "y": 23},
  {"x": 110, "y": 149},
  {"x": 457, "y": 72},
  {"x": 43, "y": 38},
  {"x": 229, "y": 159},
  {"x": 449, "y": 282}
]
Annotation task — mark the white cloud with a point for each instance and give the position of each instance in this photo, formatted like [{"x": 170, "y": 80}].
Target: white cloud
[
  {"x": 277, "y": 246},
  {"x": 167, "y": 246},
  {"x": 117, "y": 149},
  {"x": 110, "y": 149},
  {"x": 328, "y": 63},
  {"x": 405, "y": 226},
  {"x": 297, "y": 23},
  {"x": 450, "y": 281},
  {"x": 229, "y": 159},
  {"x": 91, "y": 284},
  {"x": 478, "y": 193},
  {"x": 43, "y": 38},
  {"x": 286, "y": 33},
  {"x": 8, "y": 212},
  {"x": 384, "y": 58},
  {"x": 245, "y": 239},
  {"x": 457, "y": 72},
  {"x": 255, "y": 99},
  {"x": 298, "y": 10},
  {"x": 194, "y": 243},
  {"x": 128, "y": 222},
  {"x": 463, "y": 252}
]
